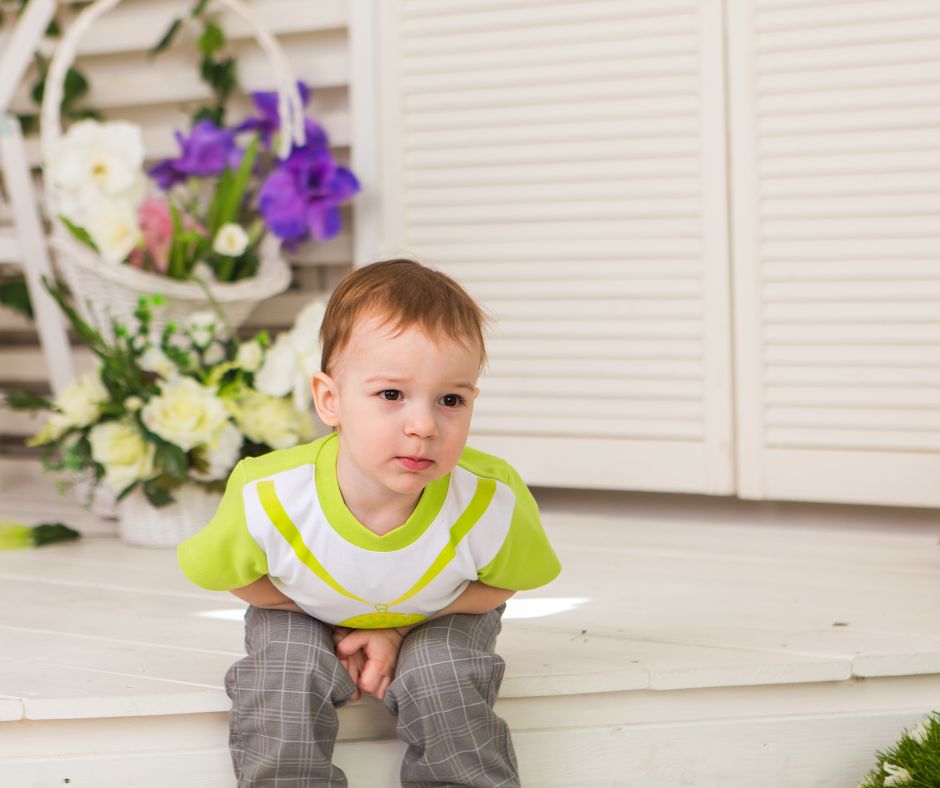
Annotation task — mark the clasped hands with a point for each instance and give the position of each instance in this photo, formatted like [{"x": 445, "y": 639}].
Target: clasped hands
[{"x": 369, "y": 656}]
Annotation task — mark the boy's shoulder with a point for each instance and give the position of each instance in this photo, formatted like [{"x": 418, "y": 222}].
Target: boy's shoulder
[
  {"x": 489, "y": 466},
  {"x": 279, "y": 460}
]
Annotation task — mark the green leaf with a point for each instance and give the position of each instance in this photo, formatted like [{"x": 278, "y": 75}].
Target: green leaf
[
  {"x": 158, "y": 494},
  {"x": 172, "y": 460},
  {"x": 176, "y": 268},
  {"x": 167, "y": 38},
  {"x": 199, "y": 8},
  {"x": 15, "y": 295},
  {"x": 231, "y": 198},
  {"x": 29, "y": 123},
  {"x": 75, "y": 87},
  {"x": 85, "y": 332},
  {"x": 80, "y": 233},
  {"x": 211, "y": 40},
  {"x": 50, "y": 533},
  {"x": 26, "y": 400}
]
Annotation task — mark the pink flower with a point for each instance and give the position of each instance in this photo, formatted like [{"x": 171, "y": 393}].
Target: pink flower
[{"x": 156, "y": 224}]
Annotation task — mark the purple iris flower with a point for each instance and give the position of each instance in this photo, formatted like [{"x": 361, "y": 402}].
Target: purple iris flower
[
  {"x": 301, "y": 196},
  {"x": 207, "y": 151},
  {"x": 268, "y": 122}
]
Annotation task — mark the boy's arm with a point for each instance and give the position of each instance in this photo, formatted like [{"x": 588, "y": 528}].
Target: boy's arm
[
  {"x": 477, "y": 597},
  {"x": 263, "y": 593}
]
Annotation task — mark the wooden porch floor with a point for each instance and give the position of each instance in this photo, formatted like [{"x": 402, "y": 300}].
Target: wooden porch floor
[{"x": 678, "y": 621}]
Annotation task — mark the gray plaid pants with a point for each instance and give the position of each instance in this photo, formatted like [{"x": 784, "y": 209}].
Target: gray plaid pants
[{"x": 283, "y": 722}]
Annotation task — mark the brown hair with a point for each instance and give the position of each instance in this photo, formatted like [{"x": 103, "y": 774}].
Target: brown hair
[{"x": 407, "y": 294}]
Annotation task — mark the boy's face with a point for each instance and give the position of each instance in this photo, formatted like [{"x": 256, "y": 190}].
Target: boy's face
[{"x": 401, "y": 405}]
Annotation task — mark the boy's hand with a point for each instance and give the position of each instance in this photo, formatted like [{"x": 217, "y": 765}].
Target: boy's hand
[
  {"x": 354, "y": 664},
  {"x": 380, "y": 648}
]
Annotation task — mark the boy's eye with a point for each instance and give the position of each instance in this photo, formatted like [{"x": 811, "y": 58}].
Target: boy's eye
[
  {"x": 451, "y": 400},
  {"x": 390, "y": 394}
]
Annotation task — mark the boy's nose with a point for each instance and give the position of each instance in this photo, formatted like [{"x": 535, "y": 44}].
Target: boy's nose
[{"x": 421, "y": 424}]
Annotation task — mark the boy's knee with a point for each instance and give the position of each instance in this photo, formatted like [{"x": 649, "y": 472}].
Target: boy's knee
[
  {"x": 431, "y": 668},
  {"x": 290, "y": 654}
]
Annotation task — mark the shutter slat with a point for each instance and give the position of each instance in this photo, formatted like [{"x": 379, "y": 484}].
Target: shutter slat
[
  {"x": 568, "y": 169},
  {"x": 837, "y": 199}
]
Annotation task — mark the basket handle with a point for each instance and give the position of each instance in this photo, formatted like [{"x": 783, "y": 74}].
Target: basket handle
[{"x": 289, "y": 105}]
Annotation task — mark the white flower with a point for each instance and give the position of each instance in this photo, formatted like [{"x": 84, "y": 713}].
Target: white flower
[
  {"x": 897, "y": 775},
  {"x": 249, "y": 356},
  {"x": 203, "y": 327},
  {"x": 270, "y": 420},
  {"x": 79, "y": 405},
  {"x": 185, "y": 413},
  {"x": 214, "y": 354},
  {"x": 920, "y": 731},
  {"x": 203, "y": 271},
  {"x": 133, "y": 404},
  {"x": 94, "y": 162},
  {"x": 220, "y": 454},
  {"x": 155, "y": 360},
  {"x": 123, "y": 451},
  {"x": 294, "y": 357},
  {"x": 114, "y": 228},
  {"x": 230, "y": 241}
]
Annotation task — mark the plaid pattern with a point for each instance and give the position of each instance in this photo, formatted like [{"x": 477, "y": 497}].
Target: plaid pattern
[
  {"x": 443, "y": 693},
  {"x": 284, "y": 695},
  {"x": 283, "y": 721}
]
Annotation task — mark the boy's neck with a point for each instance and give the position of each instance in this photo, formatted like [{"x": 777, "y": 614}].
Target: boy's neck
[{"x": 381, "y": 511}]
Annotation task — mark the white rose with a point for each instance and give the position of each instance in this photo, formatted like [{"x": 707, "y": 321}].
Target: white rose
[
  {"x": 249, "y": 356},
  {"x": 231, "y": 241},
  {"x": 153, "y": 359},
  {"x": 271, "y": 420},
  {"x": 185, "y": 413},
  {"x": 81, "y": 401},
  {"x": 80, "y": 405},
  {"x": 94, "y": 162},
  {"x": 294, "y": 357},
  {"x": 133, "y": 404},
  {"x": 114, "y": 228},
  {"x": 221, "y": 453},
  {"x": 123, "y": 451}
]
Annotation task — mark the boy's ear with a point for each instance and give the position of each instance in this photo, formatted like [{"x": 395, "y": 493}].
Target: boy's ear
[{"x": 324, "y": 398}]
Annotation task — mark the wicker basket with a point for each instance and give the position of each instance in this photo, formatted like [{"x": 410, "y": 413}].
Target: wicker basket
[
  {"x": 104, "y": 290},
  {"x": 141, "y": 523}
]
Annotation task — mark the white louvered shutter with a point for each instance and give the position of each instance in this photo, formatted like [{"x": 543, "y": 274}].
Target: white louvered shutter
[
  {"x": 835, "y": 129},
  {"x": 566, "y": 162}
]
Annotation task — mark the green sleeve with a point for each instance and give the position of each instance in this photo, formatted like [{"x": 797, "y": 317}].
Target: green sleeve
[
  {"x": 526, "y": 559},
  {"x": 224, "y": 555}
]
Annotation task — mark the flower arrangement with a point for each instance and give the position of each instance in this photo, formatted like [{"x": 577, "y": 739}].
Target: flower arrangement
[
  {"x": 913, "y": 761},
  {"x": 204, "y": 213},
  {"x": 177, "y": 406}
]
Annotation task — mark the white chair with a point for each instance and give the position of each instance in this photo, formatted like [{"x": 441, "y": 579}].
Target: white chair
[{"x": 24, "y": 243}]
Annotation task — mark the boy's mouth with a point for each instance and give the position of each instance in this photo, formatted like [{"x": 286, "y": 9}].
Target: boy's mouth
[{"x": 415, "y": 463}]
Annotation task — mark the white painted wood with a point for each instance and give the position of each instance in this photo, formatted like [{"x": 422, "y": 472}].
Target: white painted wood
[
  {"x": 18, "y": 48},
  {"x": 704, "y": 649},
  {"x": 837, "y": 304},
  {"x": 572, "y": 175},
  {"x": 33, "y": 255}
]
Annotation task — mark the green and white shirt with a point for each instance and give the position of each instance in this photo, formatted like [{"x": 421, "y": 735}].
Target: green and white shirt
[{"x": 283, "y": 515}]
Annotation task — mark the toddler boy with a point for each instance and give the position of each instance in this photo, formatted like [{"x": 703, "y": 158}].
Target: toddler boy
[{"x": 377, "y": 558}]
